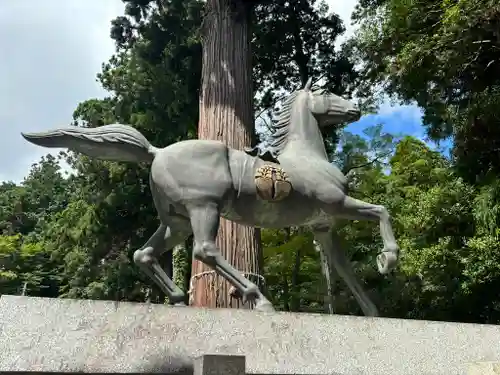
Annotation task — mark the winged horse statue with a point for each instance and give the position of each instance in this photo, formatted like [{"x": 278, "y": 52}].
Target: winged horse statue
[{"x": 195, "y": 182}]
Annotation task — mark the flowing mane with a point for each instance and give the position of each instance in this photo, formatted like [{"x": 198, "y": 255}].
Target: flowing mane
[{"x": 281, "y": 126}]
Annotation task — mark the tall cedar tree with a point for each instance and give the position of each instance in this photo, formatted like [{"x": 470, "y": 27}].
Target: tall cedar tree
[{"x": 226, "y": 114}]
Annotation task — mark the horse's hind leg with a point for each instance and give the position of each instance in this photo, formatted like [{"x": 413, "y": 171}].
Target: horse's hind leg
[
  {"x": 205, "y": 219},
  {"x": 355, "y": 209},
  {"x": 146, "y": 258},
  {"x": 335, "y": 256}
]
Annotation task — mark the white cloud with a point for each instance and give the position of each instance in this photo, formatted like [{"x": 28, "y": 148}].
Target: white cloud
[
  {"x": 344, "y": 9},
  {"x": 411, "y": 112},
  {"x": 51, "y": 52}
]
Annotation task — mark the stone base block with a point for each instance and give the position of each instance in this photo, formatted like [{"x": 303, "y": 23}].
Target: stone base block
[{"x": 62, "y": 335}]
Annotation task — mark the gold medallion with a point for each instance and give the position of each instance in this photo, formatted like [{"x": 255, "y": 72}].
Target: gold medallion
[{"x": 272, "y": 183}]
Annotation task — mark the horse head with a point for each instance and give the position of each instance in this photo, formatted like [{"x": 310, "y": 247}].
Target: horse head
[
  {"x": 329, "y": 109},
  {"x": 301, "y": 116}
]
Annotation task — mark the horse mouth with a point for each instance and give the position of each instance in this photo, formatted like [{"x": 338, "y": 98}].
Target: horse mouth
[
  {"x": 336, "y": 117},
  {"x": 354, "y": 115}
]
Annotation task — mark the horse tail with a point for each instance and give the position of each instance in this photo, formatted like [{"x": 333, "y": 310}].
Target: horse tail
[{"x": 115, "y": 142}]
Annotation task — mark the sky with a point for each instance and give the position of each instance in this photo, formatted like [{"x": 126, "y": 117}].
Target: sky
[{"x": 52, "y": 51}]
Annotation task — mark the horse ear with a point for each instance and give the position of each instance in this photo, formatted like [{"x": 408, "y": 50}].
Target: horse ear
[{"x": 308, "y": 85}]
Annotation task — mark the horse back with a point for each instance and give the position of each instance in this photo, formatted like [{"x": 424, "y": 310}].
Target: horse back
[{"x": 192, "y": 171}]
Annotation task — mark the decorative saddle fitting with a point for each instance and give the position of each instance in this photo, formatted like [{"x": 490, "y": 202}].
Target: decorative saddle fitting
[{"x": 272, "y": 183}]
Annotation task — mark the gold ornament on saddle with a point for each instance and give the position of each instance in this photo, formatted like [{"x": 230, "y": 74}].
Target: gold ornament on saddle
[{"x": 272, "y": 183}]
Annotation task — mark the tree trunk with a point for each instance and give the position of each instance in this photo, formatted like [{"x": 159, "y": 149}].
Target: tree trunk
[{"x": 226, "y": 114}]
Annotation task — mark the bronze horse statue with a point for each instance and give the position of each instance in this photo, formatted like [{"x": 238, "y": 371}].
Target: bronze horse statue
[{"x": 195, "y": 182}]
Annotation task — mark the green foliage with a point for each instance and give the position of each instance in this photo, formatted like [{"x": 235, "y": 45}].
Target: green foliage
[
  {"x": 292, "y": 270},
  {"x": 308, "y": 33},
  {"x": 26, "y": 267},
  {"x": 43, "y": 192},
  {"x": 448, "y": 254},
  {"x": 443, "y": 55}
]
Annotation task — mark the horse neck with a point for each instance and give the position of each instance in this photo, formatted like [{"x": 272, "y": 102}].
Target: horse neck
[{"x": 304, "y": 136}]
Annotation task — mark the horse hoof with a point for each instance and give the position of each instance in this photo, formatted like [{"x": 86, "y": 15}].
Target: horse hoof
[
  {"x": 235, "y": 293},
  {"x": 386, "y": 262},
  {"x": 265, "y": 306}
]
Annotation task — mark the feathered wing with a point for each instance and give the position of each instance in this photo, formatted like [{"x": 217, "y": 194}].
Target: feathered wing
[{"x": 109, "y": 142}]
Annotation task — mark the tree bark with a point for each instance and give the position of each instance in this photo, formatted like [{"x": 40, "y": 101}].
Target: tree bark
[{"x": 226, "y": 114}]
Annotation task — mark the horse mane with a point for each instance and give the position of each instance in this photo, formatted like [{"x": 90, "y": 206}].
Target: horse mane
[{"x": 281, "y": 126}]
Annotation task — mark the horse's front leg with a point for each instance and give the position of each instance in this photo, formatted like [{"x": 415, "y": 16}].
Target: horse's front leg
[
  {"x": 330, "y": 277},
  {"x": 335, "y": 256},
  {"x": 337, "y": 204},
  {"x": 355, "y": 209}
]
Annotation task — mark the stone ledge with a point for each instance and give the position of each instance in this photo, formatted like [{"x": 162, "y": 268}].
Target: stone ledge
[
  {"x": 62, "y": 335},
  {"x": 484, "y": 368}
]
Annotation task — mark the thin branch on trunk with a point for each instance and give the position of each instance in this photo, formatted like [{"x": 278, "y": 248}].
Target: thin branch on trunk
[{"x": 370, "y": 162}]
